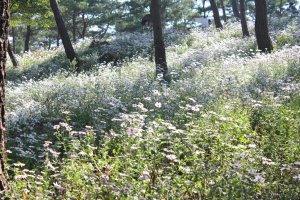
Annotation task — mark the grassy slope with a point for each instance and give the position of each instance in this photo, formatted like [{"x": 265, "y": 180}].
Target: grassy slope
[{"x": 226, "y": 127}]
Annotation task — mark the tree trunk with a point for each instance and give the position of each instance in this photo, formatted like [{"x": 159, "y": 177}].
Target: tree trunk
[
  {"x": 27, "y": 38},
  {"x": 160, "y": 52},
  {"x": 243, "y": 19},
  {"x": 12, "y": 56},
  {"x": 74, "y": 15},
  {"x": 261, "y": 27},
  {"x": 49, "y": 43},
  {"x": 203, "y": 8},
  {"x": 63, "y": 32},
  {"x": 280, "y": 8},
  {"x": 84, "y": 24},
  {"x": 57, "y": 40},
  {"x": 13, "y": 34},
  {"x": 4, "y": 8},
  {"x": 216, "y": 14},
  {"x": 223, "y": 10},
  {"x": 235, "y": 9}
]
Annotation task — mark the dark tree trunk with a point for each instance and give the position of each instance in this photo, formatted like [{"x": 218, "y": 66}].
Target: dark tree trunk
[
  {"x": 160, "y": 52},
  {"x": 261, "y": 26},
  {"x": 235, "y": 9},
  {"x": 243, "y": 19},
  {"x": 49, "y": 43},
  {"x": 27, "y": 38},
  {"x": 57, "y": 40},
  {"x": 12, "y": 56},
  {"x": 13, "y": 34},
  {"x": 203, "y": 8},
  {"x": 223, "y": 10},
  {"x": 63, "y": 32},
  {"x": 74, "y": 15},
  {"x": 84, "y": 24},
  {"x": 4, "y": 9},
  {"x": 216, "y": 14}
]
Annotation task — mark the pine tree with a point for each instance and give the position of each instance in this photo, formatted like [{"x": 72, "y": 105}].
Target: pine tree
[
  {"x": 63, "y": 32},
  {"x": 243, "y": 19},
  {"x": 261, "y": 26},
  {"x": 215, "y": 10},
  {"x": 160, "y": 52},
  {"x": 235, "y": 9},
  {"x": 4, "y": 8}
]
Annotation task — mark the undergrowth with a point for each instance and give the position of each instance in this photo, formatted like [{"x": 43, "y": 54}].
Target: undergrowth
[{"x": 226, "y": 127}]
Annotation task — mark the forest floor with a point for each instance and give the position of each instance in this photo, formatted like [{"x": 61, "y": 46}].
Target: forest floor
[{"x": 226, "y": 127}]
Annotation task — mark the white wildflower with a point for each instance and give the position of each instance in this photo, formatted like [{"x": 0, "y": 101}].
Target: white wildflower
[
  {"x": 145, "y": 176},
  {"x": 57, "y": 186},
  {"x": 158, "y": 105}
]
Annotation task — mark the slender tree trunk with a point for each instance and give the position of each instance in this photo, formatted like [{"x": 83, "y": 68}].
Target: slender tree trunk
[
  {"x": 216, "y": 14},
  {"x": 27, "y": 38},
  {"x": 74, "y": 15},
  {"x": 223, "y": 10},
  {"x": 280, "y": 7},
  {"x": 5, "y": 12},
  {"x": 261, "y": 27},
  {"x": 12, "y": 56},
  {"x": 160, "y": 52},
  {"x": 57, "y": 39},
  {"x": 49, "y": 43},
  {"x": 63, "y": 32},
  {"x": 235, "y": 9},
  {"x": 243, "y": 19},
  {"x": 13, "y": 34},
  {"x": 104, "y": 32},
  {"x": 84, "y": 28},
  {"x": 203, "y": 8}
]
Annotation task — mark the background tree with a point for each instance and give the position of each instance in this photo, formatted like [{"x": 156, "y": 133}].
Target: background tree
[
  {"x": 243, "y": 19},
  {"x": 235, "y": 9},
  {"x": 223, "y": 10},
  {"x": 64, "y": 33},
  {"x": 160, "y": 52},
  {"x": 4, "y": 9},
  {"x": 215, "y": 10},
  {"x": 12, "y": 55},
  {"x": 261, "y": 26},
  {"x": 31, "y": 15}
]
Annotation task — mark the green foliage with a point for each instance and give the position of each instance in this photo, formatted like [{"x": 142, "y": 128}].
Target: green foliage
[
  {"x": 288, "y": 36},
  {"x": 36, "y": 13},
  {"x": 175, "y": 13}
]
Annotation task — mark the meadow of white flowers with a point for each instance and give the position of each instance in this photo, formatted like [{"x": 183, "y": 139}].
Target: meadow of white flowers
[{"x": 226, "y": 127}]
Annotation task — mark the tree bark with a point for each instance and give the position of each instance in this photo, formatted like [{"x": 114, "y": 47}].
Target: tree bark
[
  {"x": 223, "y": 10},
  {"x": 261, "y": 27},
  {"x": 215, "y": 10},
  {"x": 63, "y": 32},
  {"x": 27, "y": 38},
  {"x": 4, "y": 22},
  {"x": 160, "y": 52},
  {"x": 243, "y": 19},
  {"x": 12, "y": 56},
  {"x": 235, "y": 9}
]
